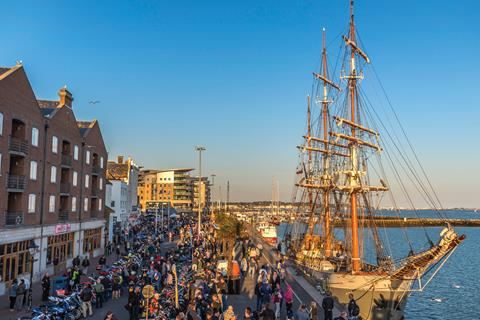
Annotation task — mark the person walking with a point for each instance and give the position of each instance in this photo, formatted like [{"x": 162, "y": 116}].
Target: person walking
[
  {"x": 99, "y": 291},
  {"x": 45, "y": 287},
  {"x": 267, "y": 313},
  {"x": 258, "y": 294},
  {"x": 327, "y": 305},
  {"x": 86, "y": 296},
  {"x": 21, "y": 289},
  {"x": 110, "y": 316},
  {"x": 353, "y": 308},
  {"x": 313, "y": 311},
  {"x": 302, "y": 313},
  {"x": 277, "y": 300},
  {"x": 85, "y": 265},
  {"x": 288, "y": 296},
  {"x": 12, "y": 294}
]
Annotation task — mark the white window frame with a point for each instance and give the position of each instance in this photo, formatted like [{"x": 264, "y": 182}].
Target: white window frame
[
  {"x": 74, "y": 204},
  {"x": 75, "y": 178},
  {"x": 32, "y": 197},
  {"x": 75, "y": 152},
  {"x": 87, "y": 157},
  {"x": 33, "y": 170},
  {"x": 85, "y": 204},
  {"x": 1, "y": 124},
  {"x": 53, "y": 174},
  {"x": 54, "y": 144},
  {"x": 101, "y": 162},
  {"x": 100, "y": 204},
  {"x": 51, "y": 203},
  {"x": 100, "y": 183},
  {"x": 35, "y": 135},
  {"x": 87, "y": 180}
]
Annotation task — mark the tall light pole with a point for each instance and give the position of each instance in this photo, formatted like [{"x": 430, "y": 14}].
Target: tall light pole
[{"x": 199, "y": 149}]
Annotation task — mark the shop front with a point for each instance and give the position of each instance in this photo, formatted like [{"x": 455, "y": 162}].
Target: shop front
[{"x": 59, "y": 250}]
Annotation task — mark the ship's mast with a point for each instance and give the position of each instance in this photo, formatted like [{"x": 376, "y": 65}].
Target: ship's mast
[
  {"x": 325, "y": 177},
  {"x": 311, "y": 222},
  {"x": 353, "y": 151}
]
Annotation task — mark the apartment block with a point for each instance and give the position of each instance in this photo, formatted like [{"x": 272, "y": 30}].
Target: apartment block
[
  {"x": 52, "y": 180},
  {"x": 172, "y": 187}
]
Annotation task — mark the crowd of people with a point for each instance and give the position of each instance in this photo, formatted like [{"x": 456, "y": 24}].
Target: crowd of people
[{"x": 193, "y": 278}]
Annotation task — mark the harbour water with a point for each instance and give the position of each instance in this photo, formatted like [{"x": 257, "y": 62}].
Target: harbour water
[{"x": 455, "y": 290}]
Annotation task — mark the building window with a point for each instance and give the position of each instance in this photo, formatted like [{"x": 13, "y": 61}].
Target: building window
[
  {"x": 53, "y": 174},
  {"x": 85, "y": 204},
  {"x": 74, "y": 204},
  {"x": 101, "y": 162},
  {"x": 33, "y": 170},
  {"x": 35, "y": 137},
  {"x": 59, "y": 248},
  {"x": 75, "y": 178},
  {"x": 54, "y": 144},
  {"x": 87, "y": 157},
  {"x": 75, "y": 152},
  {"x": 51, "y": 204},
  {"x": 31, "y": 203},
  {"x": 100, "y": 183},
  {"x": 1, "y": 124},
  {"x": 14, "y": 260},
  {"x": 100, "y": 204},
  {"x": 91, "y": 239},
  {"x": 0, "y": 164},
  {"x": 87, "y": 178}
]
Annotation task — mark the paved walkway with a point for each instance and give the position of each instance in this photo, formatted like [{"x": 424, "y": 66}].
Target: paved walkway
[{"x": 304, "y": 292}]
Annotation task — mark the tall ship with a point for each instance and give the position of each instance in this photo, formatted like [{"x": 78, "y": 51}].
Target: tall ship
[{"x": 351, "y": 164}]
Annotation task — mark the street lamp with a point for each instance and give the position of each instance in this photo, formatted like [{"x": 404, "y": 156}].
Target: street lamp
[
  {"x": 199, "y": 149},
  {"x": 32, "y": 249}
]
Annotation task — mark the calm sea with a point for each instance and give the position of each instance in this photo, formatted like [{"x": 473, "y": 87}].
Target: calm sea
[{"x": 454, "y": 293}]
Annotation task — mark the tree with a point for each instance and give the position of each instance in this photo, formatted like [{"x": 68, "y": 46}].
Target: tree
[{"x": 229, "y": 228}]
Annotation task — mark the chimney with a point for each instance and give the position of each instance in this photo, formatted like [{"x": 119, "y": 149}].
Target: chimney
[
  {"x": 119, "y": 159},
  {"x": 66, "y": 97}
]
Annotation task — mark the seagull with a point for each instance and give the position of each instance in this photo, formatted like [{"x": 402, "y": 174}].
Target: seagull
[
  {"x": 94, "y": 102},
  {"x": 456, "y": 286},
  {"x": 436, "y": 299}
]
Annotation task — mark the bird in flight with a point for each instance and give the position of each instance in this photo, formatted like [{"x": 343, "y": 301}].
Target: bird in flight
[{"x": 94, "y": 102}]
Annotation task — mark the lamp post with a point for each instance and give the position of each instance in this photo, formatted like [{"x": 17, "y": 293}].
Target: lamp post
[
  {"x": 163, "y": 205},
  {"x": 199, "y": 149},
  {"x": 32, "y": 249}
]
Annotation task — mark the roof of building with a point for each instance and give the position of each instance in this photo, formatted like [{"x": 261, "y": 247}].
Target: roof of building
[
  {"x": 3, "y": 70},
  {"x": 85, "y": 126},
  {"x": 176, "y": 169},
  {"x": 117, "y": 171}
]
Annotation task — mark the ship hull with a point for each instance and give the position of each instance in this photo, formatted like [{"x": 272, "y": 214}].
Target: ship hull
[{"x": 378, "y": 297}]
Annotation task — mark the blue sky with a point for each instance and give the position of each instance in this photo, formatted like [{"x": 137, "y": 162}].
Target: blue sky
[{"x": 233, "y": 76}]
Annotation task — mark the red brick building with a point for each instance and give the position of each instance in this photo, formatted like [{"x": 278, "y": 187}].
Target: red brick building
[{"x": 52, "y": 180}]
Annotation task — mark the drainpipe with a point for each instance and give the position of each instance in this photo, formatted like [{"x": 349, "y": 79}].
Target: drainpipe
[
  {"x": 81, "y": 180},
  {"x": 42, "y": 194}
]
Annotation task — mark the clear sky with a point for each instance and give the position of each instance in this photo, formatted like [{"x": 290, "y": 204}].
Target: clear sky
[{"x": 233, "y": 77}]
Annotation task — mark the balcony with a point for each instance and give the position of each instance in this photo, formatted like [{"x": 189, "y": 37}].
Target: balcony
[
  {"x": 17, "y": 146},
  {"x": 16, "y": 183},
  {"x": 63, "y": 215},
  {"x": 96, "y": 170},
  {"x": 13, "y": 218},
  {"x": 66, "y": 161},
  {"x": 64, "y": 189}
]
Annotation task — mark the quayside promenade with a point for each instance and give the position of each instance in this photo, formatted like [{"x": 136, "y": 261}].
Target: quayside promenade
[{"x": 175, "y": 273}]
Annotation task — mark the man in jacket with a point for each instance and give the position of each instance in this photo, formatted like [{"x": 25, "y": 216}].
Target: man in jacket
[
  {"x": 45, "y": 287},
  {"x": 99, "y": 291},
  {"x": 327, "y": 305},
  {"x": 86, "y": 296}
]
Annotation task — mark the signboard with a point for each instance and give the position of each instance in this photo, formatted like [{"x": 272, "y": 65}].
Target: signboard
[
  {"x": 62, "y": 228},
  {"x": 148, "y": 291}
]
